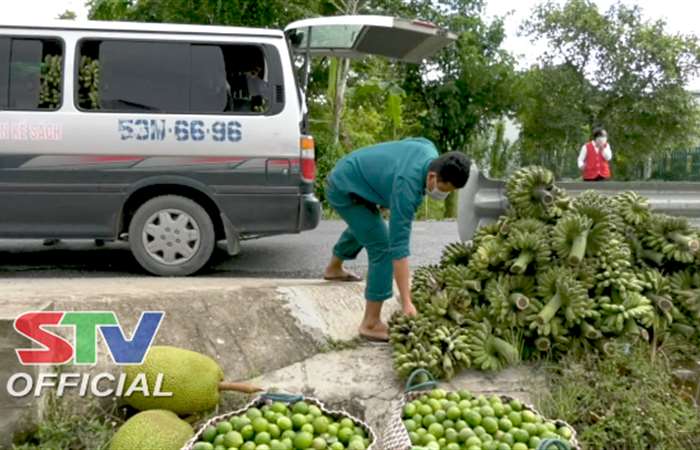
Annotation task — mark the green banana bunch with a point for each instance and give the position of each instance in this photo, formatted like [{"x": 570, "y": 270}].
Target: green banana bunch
[
  {"x": 488, "y": 351},
  {"x": 658, "y": 290},
  {"x": 89, "y": 83},
  {"x": 614, "y": 268},
  {"x": 451, "y": 344},
  {"x": 642, "y": 254},
  {"x": 527, "y": 249},
  {"x": 51, "y": 81},
  {"x": 488, "y": 257},
  {"x": 633, "y": 208},
  {"x": 457, "y": 254},
  {"x": 570, "y": 237},
  {"x": 685, "y": 286},
  {"x": 565, "y": 296},
  {"x": 529, "y": 192},
  {"x": 485, "y": 233},
  {"x": 511, "y": 300},
  {"x": 672, "y": 237}
]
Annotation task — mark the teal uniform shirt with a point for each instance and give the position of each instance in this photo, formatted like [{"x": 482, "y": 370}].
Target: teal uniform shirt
[{"x": 391, "y": 175}]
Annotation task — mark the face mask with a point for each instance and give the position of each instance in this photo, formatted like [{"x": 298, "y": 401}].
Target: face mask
[
  {"x": 437, "y": 194},
  {"x": 601, "y": 140}
]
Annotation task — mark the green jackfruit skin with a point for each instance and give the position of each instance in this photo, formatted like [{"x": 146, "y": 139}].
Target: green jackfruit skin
[
  {"x": 152, "y": 430},
  {"x": 193, "y": 379}
]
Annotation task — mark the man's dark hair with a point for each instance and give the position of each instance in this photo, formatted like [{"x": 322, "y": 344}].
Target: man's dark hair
[
  {"x": 599, "y": 131},
  {"x": 453, "y": 168}
]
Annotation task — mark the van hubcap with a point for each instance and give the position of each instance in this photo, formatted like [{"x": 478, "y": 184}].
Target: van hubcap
[{"x": 171, "y": 237}]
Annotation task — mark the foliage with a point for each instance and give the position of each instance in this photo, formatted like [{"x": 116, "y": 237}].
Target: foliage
[
  {"x": 73, "y": 425},
  {"x": 613, "y": 68},
  {"x": 624, "y": 401}
]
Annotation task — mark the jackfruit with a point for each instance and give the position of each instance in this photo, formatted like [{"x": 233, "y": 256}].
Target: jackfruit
[
  {"x": 193, "y": 379},
  {"x": 152, "y": 430}
]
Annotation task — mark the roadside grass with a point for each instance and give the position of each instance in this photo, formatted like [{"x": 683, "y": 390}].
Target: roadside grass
[
  {"x": 73, "y": 424},
  {"x": 428, "y": 210},
  {"x": 626, "y": 401}
]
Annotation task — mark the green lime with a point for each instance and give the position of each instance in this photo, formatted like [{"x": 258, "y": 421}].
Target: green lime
[
  {"x": 460, "y": 424},
  {"x": 233, "y": 439},
  {"x": 347, "y": 423},
  {"x": 260, "y": 424},
  {"x": 550, "y": 426},
  {"x": 250, "y": 445},
  {"x": 298, "y": 420},
  {"x": 437, "y": 393},
  {"x": 454, "y": 413},
  {"x": 505, "y": 424},
  {"x": 333, "y": 429},
  {"x": 410, "y": 425},
  {"x": 498, "y": 410},
  {"x": 409, "y": 410},
  {"x": 565, "y": 432},
  {"x": 337, "y": 446},
  {"x": 288, "y": 443},
  {"x": 519, "y": 446},
  {"x": 440, "y": 415},
  {"x": 432, "y": 446},
  {"x": 303, "y": 440},
  {"x": 516, "y": 405},
  {"x": 209, "y": 433},
  {"x": 356, "y": 444},
  {"x": 224, "y": 427},
  {"x": 262, "y": 447},
  {"x": 301, "y": 407},
  {"x": 319, "y": 444},
  {"x": 436, "y": 430},
  {"x": 474, "y": 447},
  {"x": 515, "y": 418},
  {"x": 253, "y": 413},
  {"x": 472, "y": 441},
  {"x": 263, "y": 438},
  {"x": 487, "y": 411},
  {"x": 360, "y": 432},
  {"x": 507, "y": 438},
  {"x": 429, "y": 420},
  {"x": 421, "y": 431},
  {"x": 247, "y": 432},
  {"x": 453, "y": 396},
  {"x": 270, "y": 416},
  {"x": 465, "y": 434},
  {"x": 315, "y": 411},
  {"x": 452, "y": 446},
  {"x": 415, "y": 438},
  {"x": 465, "y": 394},
  {"x": 534, "y": 442},
  {"x": 279, "y": 408},
  {"x": 203, "y": 446},
  {"x": 520, "y": 435},
  {"x": 424, "y": 410},
  {"x": 308, "y": 428},
  {"x": 427, "y": 438},
  {"x": 442, "y": 442},
  {"x": 528, "y": 416},
  {"x": 503, "y": 446},
  {"x": 472, "y": 417},
  {"x": 480, "y": 431},
  {"x": 218, "y": 440},
  {"x": 451, "y": 435},
  {"x": 435, "y": 404},
  {"x": 285, "y": 423},
  {"x": 288, "y": 434},
  {"x": 490, "y": 424},
  {"x": 344, "y": 434},
  {"x": 276, "y": 444},
  {"x": 274, "y": 430},
  {"x": 448, "y": 424}
]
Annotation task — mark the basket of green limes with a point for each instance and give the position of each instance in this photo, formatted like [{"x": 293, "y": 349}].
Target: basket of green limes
[
  {"x": 284, "y": 422},
  {"x": 433, "y": 419}
]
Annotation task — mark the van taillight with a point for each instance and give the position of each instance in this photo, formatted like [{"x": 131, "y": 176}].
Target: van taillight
[{"x": 308, "y": 158}]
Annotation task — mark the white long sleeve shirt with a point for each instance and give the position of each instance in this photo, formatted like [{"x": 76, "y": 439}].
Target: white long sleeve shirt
[{"x": 607, "y": 154}]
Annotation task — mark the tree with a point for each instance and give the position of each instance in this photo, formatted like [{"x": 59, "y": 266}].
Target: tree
[
  {"x": 614, "y": 69},
  {"x": 67, "y": 15}
]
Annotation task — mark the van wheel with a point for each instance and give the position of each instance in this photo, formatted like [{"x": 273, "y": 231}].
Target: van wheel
[{"x": 171, "y": 236}]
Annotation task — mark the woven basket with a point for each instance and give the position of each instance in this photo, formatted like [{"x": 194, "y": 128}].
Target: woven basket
[
  {"x": 395, "y": 436},
  {"x": 269, "y": 398}
]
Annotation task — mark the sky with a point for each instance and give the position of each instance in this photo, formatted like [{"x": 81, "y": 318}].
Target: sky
[{"x": 680, "y": 15}]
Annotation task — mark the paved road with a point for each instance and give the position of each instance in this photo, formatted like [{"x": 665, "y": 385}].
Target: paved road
[{"x": 290, "y": 256}]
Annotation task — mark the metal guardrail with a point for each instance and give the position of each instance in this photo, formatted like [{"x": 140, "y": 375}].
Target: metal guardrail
[{"x": 483, "y": 200}]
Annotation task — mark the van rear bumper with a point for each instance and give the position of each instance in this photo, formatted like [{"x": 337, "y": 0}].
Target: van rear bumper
[{"x": 310, "y": 212}]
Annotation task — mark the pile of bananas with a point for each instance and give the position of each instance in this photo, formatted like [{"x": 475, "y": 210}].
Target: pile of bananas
[
  {"x": 552, "y": 274},
  {"x": 50, "y": 91}
]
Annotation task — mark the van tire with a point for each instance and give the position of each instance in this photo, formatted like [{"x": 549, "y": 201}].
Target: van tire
[{"x": 192, "y": 221}]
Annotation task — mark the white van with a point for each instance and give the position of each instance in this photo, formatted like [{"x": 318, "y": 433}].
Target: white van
[{"x": 171, "y": 136}]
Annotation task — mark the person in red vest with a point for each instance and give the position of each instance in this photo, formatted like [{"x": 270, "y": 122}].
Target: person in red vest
[{"x": 594, "y": 156}]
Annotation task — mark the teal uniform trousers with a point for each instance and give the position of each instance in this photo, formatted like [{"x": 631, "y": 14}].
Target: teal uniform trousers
[{"x": 390, "y": 175}]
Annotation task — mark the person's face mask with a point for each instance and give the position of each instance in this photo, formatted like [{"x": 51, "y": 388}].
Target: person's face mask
[
  {"x": 435, "y": 193},
  {"x": 602, "y": 140}
]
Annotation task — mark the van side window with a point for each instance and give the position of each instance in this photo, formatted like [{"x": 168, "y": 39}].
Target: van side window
[
  {"x": 30, "y": 74},
  {"x": 172, "y": 77}
]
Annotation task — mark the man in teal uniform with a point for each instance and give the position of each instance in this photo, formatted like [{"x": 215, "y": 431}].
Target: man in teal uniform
[{"x": 392, "y": 175}]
